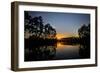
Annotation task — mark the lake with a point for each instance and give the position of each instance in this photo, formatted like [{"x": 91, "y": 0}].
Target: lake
[
  {"x": 57, "y": 51},
  {"x": 67, "y": 51}
]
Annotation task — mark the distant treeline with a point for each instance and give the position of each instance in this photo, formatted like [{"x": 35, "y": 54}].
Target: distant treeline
[
  {"x": 84, "y": 36},
  {"x": 70, "y": 40}
]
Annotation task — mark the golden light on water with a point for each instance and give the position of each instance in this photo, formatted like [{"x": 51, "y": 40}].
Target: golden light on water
[
  {"x": 62, "y": 46},
  {"x": 59, "y": 45}
]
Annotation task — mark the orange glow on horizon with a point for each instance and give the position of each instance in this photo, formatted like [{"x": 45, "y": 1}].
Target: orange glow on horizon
[{"x": 60, "y": 35}]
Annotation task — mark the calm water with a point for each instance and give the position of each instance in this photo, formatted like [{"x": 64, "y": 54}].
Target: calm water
[
  {"x": 67, "y": 51},
  {"x": 57, "y": 51}
]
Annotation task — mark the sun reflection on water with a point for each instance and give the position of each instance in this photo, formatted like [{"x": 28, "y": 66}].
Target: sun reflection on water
[{"x": 62, "y": 46}]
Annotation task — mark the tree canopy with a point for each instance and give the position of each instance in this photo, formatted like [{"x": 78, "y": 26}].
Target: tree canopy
[
  {"x": 36, "y": 27},
  {"x": 84, "y": 31}
]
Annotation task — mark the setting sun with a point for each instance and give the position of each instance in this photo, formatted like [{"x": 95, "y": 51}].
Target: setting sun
[{"x": 59, "y": 36}]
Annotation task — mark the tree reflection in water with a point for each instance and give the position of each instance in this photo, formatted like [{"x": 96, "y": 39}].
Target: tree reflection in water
[
  {"x": 50, "y": 52},
  {"x": 84, "y": 51},
  {"x": 36, "y": 53}
]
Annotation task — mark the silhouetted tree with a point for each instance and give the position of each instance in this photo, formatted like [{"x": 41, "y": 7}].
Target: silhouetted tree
[
  {"x": 84, "y": 31},
  {"x": 47, "y": 26},
  {"x": 27, "y": 23},
  {"x": 41, "y": 26},
  {"x": 49, "y": 31},
  {"x": 84, "y": 35},
  {"x": 35, "y": 27}
]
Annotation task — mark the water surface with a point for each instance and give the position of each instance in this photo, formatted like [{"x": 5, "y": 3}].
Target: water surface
[{"x": 57, "y": 51}]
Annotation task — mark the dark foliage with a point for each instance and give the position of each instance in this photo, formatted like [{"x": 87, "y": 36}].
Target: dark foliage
[
  {"x": 84, "y": 36},
  {"x": 37, "y": 52},
  {"x": 36, "y": 27}
]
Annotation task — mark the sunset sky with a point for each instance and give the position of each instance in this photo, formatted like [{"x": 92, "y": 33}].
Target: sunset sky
[{"x": 66, "y": 24}]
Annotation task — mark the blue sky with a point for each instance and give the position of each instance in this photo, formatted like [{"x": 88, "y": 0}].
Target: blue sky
[{"x": 67, "y": 23}]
